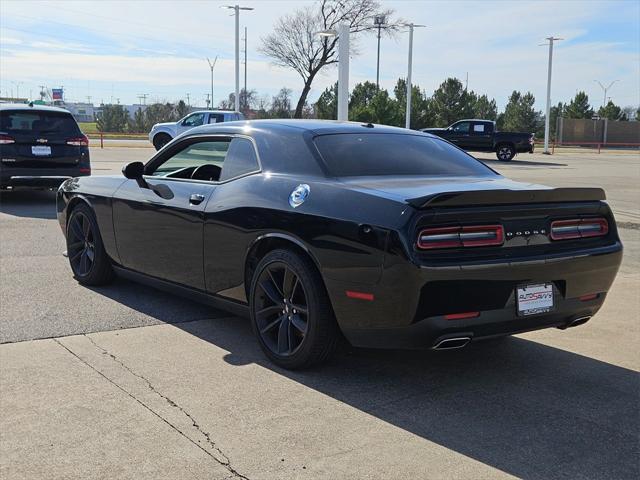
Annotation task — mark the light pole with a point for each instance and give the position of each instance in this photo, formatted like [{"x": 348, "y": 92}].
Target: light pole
[
  {"x": 407, "y": 120},
  {"x": 212, "y": 66},
  {"x": 604, "y": 100},
  {"x": 379, "y": 21},
  {"x": 237, "y": 9},
  {"x": 547, "y": 120},
  {"x": 343, "y": 68}
]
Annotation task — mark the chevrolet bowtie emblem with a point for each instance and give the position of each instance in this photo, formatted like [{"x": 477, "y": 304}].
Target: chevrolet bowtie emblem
[{"x": 42, "y": 140}]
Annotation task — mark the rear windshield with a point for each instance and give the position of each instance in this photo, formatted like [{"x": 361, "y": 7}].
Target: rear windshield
[
  {"x": 355, "y": 154},
  {"x": 37, "y": 123}
]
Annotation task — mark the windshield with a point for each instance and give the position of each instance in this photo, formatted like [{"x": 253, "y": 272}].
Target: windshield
[
  {"x": 37, "y": 122},
  {"x": 352, "y": 154}
]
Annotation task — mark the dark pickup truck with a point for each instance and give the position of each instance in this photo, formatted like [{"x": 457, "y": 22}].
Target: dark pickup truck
[{"x": 482, "y": 136}]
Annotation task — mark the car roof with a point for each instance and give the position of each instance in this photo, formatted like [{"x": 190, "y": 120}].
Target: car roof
[
  {"x": 313, "y": 126},
  {"x": 475, "y": 120},
  {"x": 32, "y": 107},
  {"x": 213, "y": 111}
]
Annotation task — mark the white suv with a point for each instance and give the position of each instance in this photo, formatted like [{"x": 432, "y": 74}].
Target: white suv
[{"x": 163, "y": 133}]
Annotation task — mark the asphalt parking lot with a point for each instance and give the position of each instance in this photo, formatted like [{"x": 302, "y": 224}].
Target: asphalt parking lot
[{"x": 127, "y": 382}]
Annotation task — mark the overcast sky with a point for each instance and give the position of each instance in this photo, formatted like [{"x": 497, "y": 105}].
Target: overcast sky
[{"x": 118, "y": 50}]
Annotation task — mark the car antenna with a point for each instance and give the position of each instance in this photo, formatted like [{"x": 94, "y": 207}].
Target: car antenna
[{"x": 368, "y": 125}]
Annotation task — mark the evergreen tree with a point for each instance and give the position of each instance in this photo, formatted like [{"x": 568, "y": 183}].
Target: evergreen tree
[
  {"x": 327, "y": 104},
  {"x": 519, "y": 114},
  {"x": 113, "y": 118},
  {"x": 612, "y": 112},
  {"x": 579, "y": 107},
  {"x": 450, "y": 102}
]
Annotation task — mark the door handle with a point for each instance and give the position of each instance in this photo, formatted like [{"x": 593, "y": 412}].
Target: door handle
[{"x": 196, "y": 199}]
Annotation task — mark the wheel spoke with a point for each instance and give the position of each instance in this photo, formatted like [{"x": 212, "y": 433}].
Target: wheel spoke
[
  {"x": 300, "y": 324},
  {"x": 288, "y": 283},
  {"x": 74, "y": 245},
  {"x": 283, "y": 336},
  {"x": 83, "y": 262},
  {"x": 76, "y": 255},
  {"x": 269, "y": 288},
  {"x": 85, "y": 227},
  {"x": 269, "y": 310},
  {"x": 76, "y": 228},
  {"x": 273, "y": 324},
  {"x": 90, "y": 254},
  {"x": 300, "y": 308},
  {"x": 275, "y": 284}
]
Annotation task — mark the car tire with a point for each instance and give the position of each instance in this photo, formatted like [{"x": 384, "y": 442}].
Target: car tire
[
  {"x": 89, "y": 261},
  {"x": 160, "y": 140},
  {"x": 291, "y": 314},
  {"x": 505, "y": 152}
]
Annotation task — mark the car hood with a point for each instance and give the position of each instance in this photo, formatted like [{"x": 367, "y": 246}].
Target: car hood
[
  {"x": 420, "y": 191},
  {"x": 165, "y": 124}
]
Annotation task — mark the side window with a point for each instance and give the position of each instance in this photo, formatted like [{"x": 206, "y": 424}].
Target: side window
[
  {"x": 216, "y": 118},
  {"x": 462, "y": 127},
  {"x": 479, "y": 128},
  {"x": 241, "y": 159},
  {"x": 184, "y": 163},
  {"x": 193, "y": 120}
]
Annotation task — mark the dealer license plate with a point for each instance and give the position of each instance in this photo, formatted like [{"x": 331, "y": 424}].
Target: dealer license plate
[
  {"x": 534, "y": 299},
  {"x": 41, "y": 150}
]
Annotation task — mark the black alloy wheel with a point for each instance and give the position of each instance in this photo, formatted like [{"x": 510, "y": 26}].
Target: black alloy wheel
[
  {"x": 290, "y": 311},
  {"x": 281, "y": 309},
  {"x": 160, "y": 140},
  {"x": 89, "y": 261},
  {"x": 505, "y": 153},
  {"x": 81, "y": 247}
]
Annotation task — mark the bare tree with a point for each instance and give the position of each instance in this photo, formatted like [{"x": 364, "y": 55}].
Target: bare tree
[{"x": 295, "y": 42}]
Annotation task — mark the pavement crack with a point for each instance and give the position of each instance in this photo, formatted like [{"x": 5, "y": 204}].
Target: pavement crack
[{"x": 213, "y": 450}]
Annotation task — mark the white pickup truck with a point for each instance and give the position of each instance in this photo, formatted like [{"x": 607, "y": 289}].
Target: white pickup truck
[{"x": 163, "y": 133}]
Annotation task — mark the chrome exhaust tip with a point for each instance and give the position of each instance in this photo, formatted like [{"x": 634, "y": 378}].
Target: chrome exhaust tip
[
  {"x": 579, "y": 321},
  {"x": 452, "y": 343}
]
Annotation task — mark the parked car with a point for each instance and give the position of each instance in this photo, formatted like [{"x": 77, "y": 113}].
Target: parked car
[
  {"x": 393, "y": 237},
  {"x": 40, "y": 146},
  {"x": 163, "y": 133},
  {"x": 482, "y": 136}
]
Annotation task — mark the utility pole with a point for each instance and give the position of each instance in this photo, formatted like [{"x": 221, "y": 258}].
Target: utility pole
[
  {"x": 43, "y": 92},
  {"x": 466, "y": 82},
  {"x": 208, "y": 101},
  {"x": 379, "y": 21},
  {"x": 188, "y": 100},
  {"x": 245, "y": 69},
  {"x": 407, "y": 119},
  {"x": 237, "y": 9},
  {"x": 212, "y": 66},
  {"x": 548, "y": 110},
  {"x": 605, "y": 89},
  {"x": 89, "y": 99}
]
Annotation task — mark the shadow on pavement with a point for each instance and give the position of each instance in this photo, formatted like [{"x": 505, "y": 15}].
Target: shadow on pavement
[
  {"x": 525, "y": 408},
  {"x": 28, "y": 203},
  {"x": 519, "y": 163}
]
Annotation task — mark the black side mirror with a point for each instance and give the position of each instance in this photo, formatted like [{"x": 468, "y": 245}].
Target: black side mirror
[{"x": 135, "y": 171}]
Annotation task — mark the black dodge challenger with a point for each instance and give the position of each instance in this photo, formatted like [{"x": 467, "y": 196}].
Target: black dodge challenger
[{"x": 391, "y": 237}]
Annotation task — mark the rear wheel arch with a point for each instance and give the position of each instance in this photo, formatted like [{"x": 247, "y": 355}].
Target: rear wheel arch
[
  {"x": 160, "y": 139},
  {"x": 267, "y": 243}
]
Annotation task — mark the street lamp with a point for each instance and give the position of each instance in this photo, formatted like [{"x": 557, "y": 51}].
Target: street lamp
[
  {"x": 212, "y": 66},
  {"x": 343, "y": 68},
  {"x": 407, "y": 119},
  {"x": 547, "y": 120},
  {"x": 604, "y": 101},
  {"x": 237, "y": 9},
  {"x": 379, "y": 21}
]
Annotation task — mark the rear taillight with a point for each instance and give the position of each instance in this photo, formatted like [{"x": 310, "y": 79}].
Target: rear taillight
[
  {"x": 6, "y": 140},
  {"x": 455, "y": 237},
  {"x": 82, "y": 141},
  {"x": 579, "y": 228}
]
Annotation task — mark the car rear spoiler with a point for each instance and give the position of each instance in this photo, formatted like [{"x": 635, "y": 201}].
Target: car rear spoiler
[{"x": 506, "y": 197}]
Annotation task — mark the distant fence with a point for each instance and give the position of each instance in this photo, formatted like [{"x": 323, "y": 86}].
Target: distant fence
[{"x": 607, "y": 133}]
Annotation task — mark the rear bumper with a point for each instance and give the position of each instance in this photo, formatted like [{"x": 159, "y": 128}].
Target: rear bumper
[
  {"x": 40, "y": 177},
  {"x": 409, "y": 304}
]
